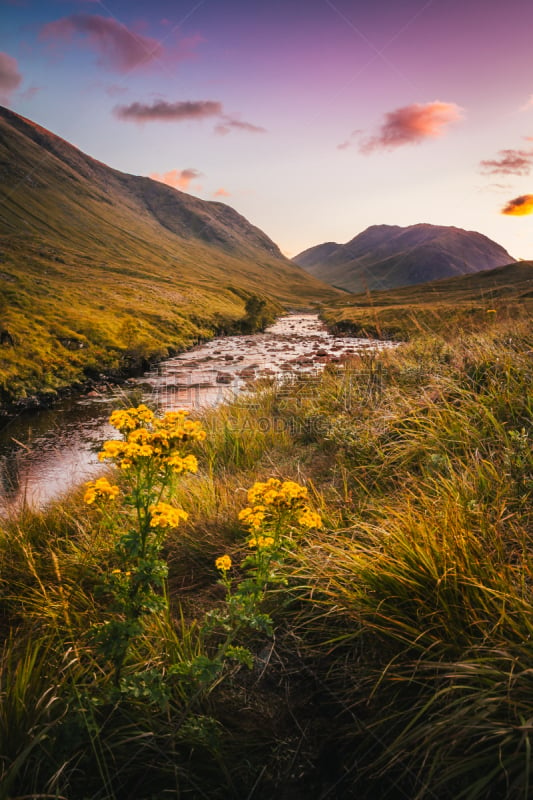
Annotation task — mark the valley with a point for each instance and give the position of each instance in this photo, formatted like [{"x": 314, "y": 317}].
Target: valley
[{"x": 261, "y": 535}]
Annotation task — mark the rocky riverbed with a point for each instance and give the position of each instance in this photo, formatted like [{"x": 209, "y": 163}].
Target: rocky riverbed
[{"x": 44, "y": 452}]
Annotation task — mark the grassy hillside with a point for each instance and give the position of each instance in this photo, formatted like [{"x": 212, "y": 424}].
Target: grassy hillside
[
  {"x": 382, "y": 653},
  {"x": 388, "y": 256},
  {"x": 463, "y": 303},
  {"x": 99, "y": 269}
]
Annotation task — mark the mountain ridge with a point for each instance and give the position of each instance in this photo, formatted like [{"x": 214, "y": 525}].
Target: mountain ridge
[
  {"x": 390, "y": 256},
  {"x": 123, "y": 268}
]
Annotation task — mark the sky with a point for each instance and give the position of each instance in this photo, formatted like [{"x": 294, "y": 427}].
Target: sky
[{"x": 312, "y": 118}]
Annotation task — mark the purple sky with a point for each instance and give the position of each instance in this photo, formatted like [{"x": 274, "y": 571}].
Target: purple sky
[{"x": 313, "y": 118}]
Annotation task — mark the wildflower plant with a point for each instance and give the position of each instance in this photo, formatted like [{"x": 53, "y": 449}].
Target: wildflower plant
[
  {"x": 150, "y": 454},
  {"x": 276, "y": 514}
]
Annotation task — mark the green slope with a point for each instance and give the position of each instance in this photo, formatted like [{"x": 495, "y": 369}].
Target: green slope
[
  {"x": 99, "y": 269},
  {"x": 465, "y": 302}
]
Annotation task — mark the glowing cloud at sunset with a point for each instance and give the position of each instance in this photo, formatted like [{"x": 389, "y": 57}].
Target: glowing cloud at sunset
[
  {"x": 520, "y": 206},
  {"x": 385, "y": 108},
  {"x": 10, "y": 77},
  {"x": 412, "y": 125},
  {"x": 178, "y": 179}
]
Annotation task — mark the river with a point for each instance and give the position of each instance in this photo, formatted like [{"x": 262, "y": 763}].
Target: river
[{"x": 46, "y": 452}]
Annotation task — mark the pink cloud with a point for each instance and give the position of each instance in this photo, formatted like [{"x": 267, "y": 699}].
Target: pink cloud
[
  {"x": 510, "y": 162},
  {"x": 10, "y": 77},
  {"x": 161, "y": 111},
  {"x": 221, "y": 193},
  {"x": 178, "y": 179},
  {"x": 228, "y": 124},
  {"x": 118, "y": 47},
  {"x": 412, "y": 125}
]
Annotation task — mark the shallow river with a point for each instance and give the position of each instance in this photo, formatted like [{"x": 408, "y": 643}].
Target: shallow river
[{"x": 44, "y": 453}]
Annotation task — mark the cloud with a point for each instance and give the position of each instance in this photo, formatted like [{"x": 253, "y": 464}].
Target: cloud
[
  {"x": 30, "y": 92},
  {"x": 161, "y": 111},
  {"x": 221, "y": 193},
  {"x": 114, "y": 90},
  {"x": 520, "y": 206},
  {"x": 528, "y": 104},
  {"x": 229, "y": 124},
  {"x": 495, "y": 187},
  {"x": 178, "y": 179},
  {"x": 510, "y": 162},
  {"x": 412, "y": 125},
  {"x": 10, "y": 77},
  {"x": 349, "y": 142},
  {"x": 118, "y": 47}
]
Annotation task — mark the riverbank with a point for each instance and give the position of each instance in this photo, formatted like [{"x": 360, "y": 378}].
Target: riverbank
[
  {"x": 42, "y": 450},
  {"x": 89, "y": 368},
  {"x": 40, "y": 363},
  {"x": 390, "y": 651}
]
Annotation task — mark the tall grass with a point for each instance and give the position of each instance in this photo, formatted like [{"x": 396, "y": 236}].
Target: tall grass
[{"x": 400, "y": 663}]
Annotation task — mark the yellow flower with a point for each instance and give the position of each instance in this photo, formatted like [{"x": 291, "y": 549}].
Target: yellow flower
[
  {"x": 182, "y": 463},
  {"x": 253, "y": 517},
  {"x": 152, "y": 438},
  {"x": 111, "y": 449},
  {"x": 293, "y": 491},
  {"x": 130, "y": 419},
  {"x": 163, "y": 515},
  {"x": 309, "y": 519},
  {"x": 286, "y": 494},
  {"x": 491, "y": 310},
  {"x": 100, "y": 489},
  {"x": 171, "y": 418},
  {"x": 223, "y": 563},
  {"x": 143, "y": 413},
  {"x": 259, "y": 489},
  {"x": 139, "y": 436},
  {"x": 261, "y": 542},
  {"x": 175, "y": 426}
]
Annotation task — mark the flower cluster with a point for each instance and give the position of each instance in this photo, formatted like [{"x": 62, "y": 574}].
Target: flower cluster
[
  {"x": 147, "y": 437},
  {"x": 273, "y": 498},
  {"x": 253, "y": 517},
  {"x": 286, "y": 494},
  {"x": 163, "y": 515},
  {"x": 223, "y": 563},
  {"x": 261, "y": 542},
  {"x": 309, "y": 519},
  {"x": 100, "y": 489},
  {"x": 127, "y": 420}
]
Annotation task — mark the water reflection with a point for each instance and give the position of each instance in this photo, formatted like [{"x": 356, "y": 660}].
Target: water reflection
[{"x": 45, "y": 453}]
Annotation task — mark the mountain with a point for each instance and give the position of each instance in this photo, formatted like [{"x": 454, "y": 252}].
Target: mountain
[
  {"x": 387, "y": 256},
  {"x": 99, "y": 268}
]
